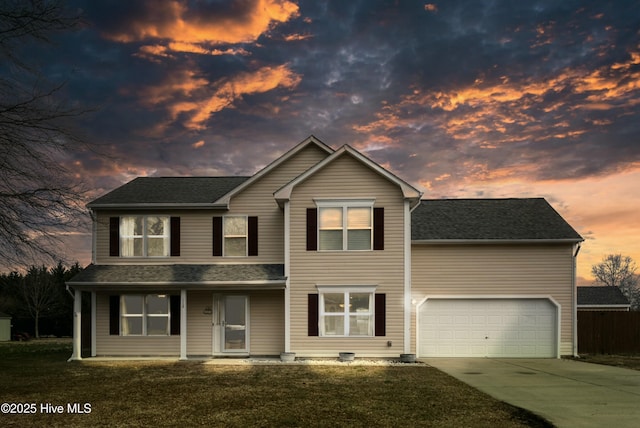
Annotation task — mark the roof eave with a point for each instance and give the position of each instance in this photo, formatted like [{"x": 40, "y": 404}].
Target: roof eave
[
  {"x": 494, "y": 241},
  {"x": 202, "y": 206},
  {"x": 602, "y": 305},
  {"x": 261, "y": 284}
]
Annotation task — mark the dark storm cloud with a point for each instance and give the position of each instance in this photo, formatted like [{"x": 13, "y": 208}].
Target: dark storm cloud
[
  {"x": 462, "y": 98},
  {"x": 439, "y": 92}
]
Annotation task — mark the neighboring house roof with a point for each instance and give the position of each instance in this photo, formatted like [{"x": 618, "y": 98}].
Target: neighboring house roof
[
  {"x": 3, "y": 315},
  {"x": 161, "y": 275},
  {"x": 409, "y": 192},
  {"x": 602, "y": 296},
  {"x": 489, "y": 220},
  {"x": 168, "y": 192}
]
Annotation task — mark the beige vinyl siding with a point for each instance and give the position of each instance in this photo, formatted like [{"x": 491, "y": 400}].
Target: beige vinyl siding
[
  {"x": 199, "y": 323},
  {"x": 196, "y": 225},
  {"x": 347, "y": 178},
  {"x": 196, "y": 238},
  {"x": 258, "y": 200},
  {"x": 266, "y": 322},
  {"x": 266, "y": 328},
  {"x": 496, "y": 270},
  {"x": 107, "y": 345}
]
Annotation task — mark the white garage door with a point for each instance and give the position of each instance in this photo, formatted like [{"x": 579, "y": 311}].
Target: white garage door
[{"x": 487, "y": 328}]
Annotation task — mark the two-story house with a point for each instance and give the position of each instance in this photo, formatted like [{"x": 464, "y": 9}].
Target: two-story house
[{"x": 324, "y": 251}]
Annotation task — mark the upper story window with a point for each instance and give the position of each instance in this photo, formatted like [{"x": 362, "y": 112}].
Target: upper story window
[
  {"x": 235, "y": 236},
  {"x": 144, "y": 236},
  {"x": 345, "y": 225}
]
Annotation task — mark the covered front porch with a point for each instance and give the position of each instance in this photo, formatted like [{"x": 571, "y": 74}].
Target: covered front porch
[{"x": 197, "y": 311}]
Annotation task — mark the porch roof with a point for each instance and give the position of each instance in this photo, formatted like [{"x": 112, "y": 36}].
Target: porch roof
[{"x": 183, "y": 275}]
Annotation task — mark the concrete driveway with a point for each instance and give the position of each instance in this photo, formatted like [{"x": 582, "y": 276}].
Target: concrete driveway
[{"x": 567, "y": 393}]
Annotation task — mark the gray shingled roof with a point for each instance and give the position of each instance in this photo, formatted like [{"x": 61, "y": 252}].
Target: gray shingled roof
[
  {"x": 489, "y": 219},
  {"x": 169, "y": 191},
  {"x": 606, "y": 295},
  {"x": 178, "y": 274}
]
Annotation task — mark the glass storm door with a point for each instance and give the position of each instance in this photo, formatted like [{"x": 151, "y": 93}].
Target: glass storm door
[{"x": 234, "y": 317}]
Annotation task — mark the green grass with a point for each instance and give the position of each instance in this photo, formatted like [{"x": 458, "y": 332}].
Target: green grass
[{"x": 155, "y": 393}]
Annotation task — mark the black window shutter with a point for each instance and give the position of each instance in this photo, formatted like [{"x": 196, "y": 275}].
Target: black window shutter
[
  {"x": 313, "y": 315},
  {"x": 114, "y": 236},
  {"x": 175, "y": 236},
  {"x": 378, "y": 228},
  {"x": 252, "y": 225},
  {"x": 380, "y": 315},
  {"x": 174, "y": 307},
  {"x": 114, "y": 315},
  {"x": 312, "y": 229},
  {"x": 217, "y": 236}
]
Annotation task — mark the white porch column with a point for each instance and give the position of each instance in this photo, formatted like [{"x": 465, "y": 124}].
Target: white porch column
[
  {"x": 94, "y": 339},
  {"x": 77, "y": 326},
  {"x": 183, "y": 324}
]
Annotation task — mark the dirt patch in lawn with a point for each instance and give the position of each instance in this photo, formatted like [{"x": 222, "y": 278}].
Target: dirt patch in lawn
[{"x": 165, "y": 393}]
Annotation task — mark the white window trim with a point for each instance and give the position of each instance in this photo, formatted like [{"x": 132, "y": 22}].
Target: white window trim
[
  {"x": 245, "y": 236},
  {"x": 166, "y": 236},
  {"x": 345, "y": 204},
  {"x": 362, "y": 289},
  {"x": 144, "y": 315}
]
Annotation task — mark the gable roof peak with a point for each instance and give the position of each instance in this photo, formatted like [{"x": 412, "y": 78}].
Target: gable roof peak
[
  {"x": 409, "y": 192},
  {"x": 310, "y": 140}
]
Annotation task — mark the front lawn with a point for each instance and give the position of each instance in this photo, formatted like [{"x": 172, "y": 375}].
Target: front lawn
[{"x": 146, "y": 393}]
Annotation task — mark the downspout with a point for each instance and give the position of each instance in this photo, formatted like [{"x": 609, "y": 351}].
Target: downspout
[
  {"x": 287, "y": 274},
  {"x": 574, "y": 296}
]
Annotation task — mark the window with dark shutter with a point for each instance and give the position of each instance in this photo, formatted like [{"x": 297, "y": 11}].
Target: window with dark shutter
[
  {"x": 312, "y": 315},
  {"x": 252, "y": 227},
  {"x": 175, "y": 315},
  {"x": 114, "y": 236},
  {"x": 380, "y": 315},
  {"x": 312, "y": 229},
  {"x": 175, "y": 236},
  {"x": 217, "y": 236},
  {"x": 114, "y": 315},
  {"x": 378, "y": 228}
]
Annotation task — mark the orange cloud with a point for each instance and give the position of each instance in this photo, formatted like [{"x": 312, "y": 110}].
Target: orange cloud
[
  {"x": 297, "y": 37},
  {"x": 430, "y": 7},
  {"x": 182, "y": 83},
  {"x": 500, "y": 112},
  {"x": 188, "y": 95},
  {"x": 194, "y": 32},
  {"x": 198, "y": 144}
]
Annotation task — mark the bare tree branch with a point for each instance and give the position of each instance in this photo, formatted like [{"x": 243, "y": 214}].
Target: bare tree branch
[
  {"x": 40, "y": 198},
  {"x": 617, "y": 270}
]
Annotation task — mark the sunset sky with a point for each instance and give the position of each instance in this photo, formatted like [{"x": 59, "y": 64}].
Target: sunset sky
[{"x": 464, "y": 99}]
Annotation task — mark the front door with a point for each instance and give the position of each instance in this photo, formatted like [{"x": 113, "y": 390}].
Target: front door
[{"x": 231, "y": 328}]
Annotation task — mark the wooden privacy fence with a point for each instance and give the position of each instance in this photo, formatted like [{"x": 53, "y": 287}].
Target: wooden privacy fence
[{"x": 602, "y": 332}]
